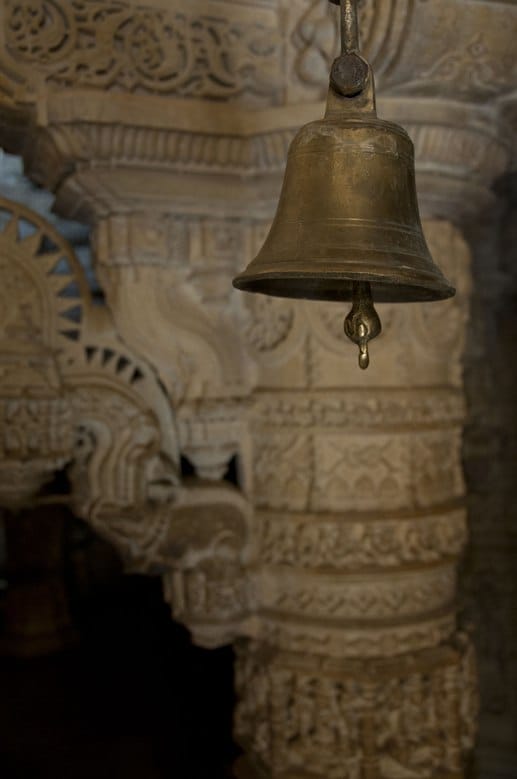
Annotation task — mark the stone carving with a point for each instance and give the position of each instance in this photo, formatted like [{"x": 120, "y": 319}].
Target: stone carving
[
  {"x": 283, "y": 470},
  {"x": 211, "y": 434},
  {"x": 343, "y": 471},
  {"x": 117, "y": 45},
  {"x": 331, "y": 641},
  {"x": 314, "y": 540},
  {"x": 335, "y": 597},
  {"x": 126, "y": 483},
  {"x": 169, "y": 258},
  {"x": 170, "y": 149},
  {"x": 471, "y": 67},
  {"x": 365, "y": 408},
  {"x": 316, "y": 38},
  {"x": 323, "y": 470},
  {"x": 126, "y": 458},
  {"x": 269, "y": 322},
  {"x": 74, "y": 396},
  {"x": 383, "y": 25},
  {"x": 208, "y": 544},
  {"x": 139, "y": 240},
  {"x": 321, "y": 722},
  {"x": 41, "y": 308},
  {"x": 141, "y": 130}
]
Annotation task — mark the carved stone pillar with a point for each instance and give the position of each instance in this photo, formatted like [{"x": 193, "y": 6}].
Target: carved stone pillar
[
  {"x": 357, "y": 665},
  {"x": 166, "y": 129}
]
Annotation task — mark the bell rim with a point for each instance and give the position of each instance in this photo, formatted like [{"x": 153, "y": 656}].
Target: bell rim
[{"x": 308, "y": 286}]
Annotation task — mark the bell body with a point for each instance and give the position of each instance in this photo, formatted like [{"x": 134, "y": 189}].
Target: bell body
[{"x": 348, "y": 213}]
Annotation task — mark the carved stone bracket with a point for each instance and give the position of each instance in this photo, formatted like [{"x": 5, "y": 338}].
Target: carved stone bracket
[{"x": 75, "y": 396}]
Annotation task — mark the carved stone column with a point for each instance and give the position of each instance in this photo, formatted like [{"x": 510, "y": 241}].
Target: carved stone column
[
  {"x": 166, "y": 129},
  {"x": 357, "y": 669}
]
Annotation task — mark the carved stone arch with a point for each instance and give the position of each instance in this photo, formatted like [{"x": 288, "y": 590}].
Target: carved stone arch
[
  {"x": 126, "y": 456},
  {"x": 56, "y": 291},
  {"x": 59, "y": 358}
]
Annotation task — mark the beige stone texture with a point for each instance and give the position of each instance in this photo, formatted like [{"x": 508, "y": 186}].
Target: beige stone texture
[{"x": 333, "y": 566}]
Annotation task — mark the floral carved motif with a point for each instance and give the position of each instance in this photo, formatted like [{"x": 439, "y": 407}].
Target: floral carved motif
[
  {"x": 314, "y": 541},
  {"x": 117, "y": 45}
]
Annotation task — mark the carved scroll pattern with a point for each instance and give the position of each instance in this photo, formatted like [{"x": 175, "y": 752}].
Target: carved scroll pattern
[{"x": 110, "y": 45}]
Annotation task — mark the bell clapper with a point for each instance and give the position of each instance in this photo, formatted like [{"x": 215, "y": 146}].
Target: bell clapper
[{"x": 362, "y": 323}]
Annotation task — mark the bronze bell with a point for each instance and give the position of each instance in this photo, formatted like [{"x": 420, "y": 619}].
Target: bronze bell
[{"x": 347, "y": 225}]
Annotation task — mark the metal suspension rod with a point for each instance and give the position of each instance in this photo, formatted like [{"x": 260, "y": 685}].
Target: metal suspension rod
[{"x": 349, "y": 27}]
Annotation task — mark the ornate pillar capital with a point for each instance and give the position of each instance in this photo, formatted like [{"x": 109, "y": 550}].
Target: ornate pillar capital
[{"x": 113, "y": 103}]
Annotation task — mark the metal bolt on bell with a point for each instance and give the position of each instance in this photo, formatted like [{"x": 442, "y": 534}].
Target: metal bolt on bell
[{"x": 347, "y": 227}]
